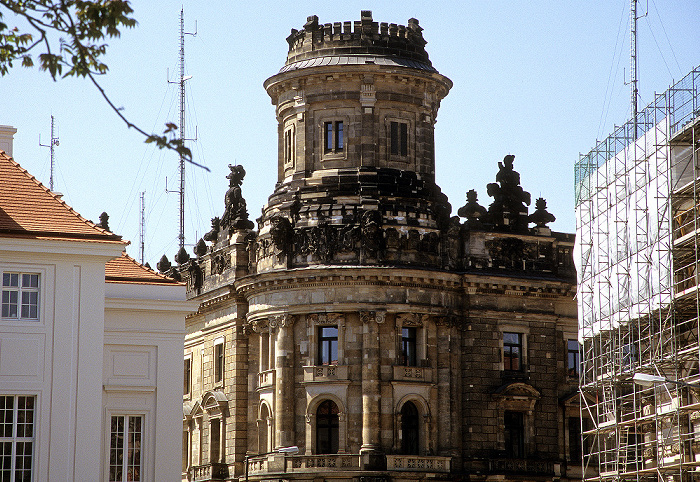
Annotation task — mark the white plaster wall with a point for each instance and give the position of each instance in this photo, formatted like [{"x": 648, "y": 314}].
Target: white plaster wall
[
  {"x": 142, "y": 370},
  {"x": 58, "y": 357}
]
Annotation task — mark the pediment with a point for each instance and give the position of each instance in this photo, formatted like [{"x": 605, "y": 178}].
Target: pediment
[{"x": 517, "y": 390}]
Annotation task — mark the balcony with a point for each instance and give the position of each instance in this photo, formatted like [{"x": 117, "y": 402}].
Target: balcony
[
  {"x": 416, "y": 463},
  {"x": 266, "y": 379},
  {"x": 413, "y": 374},
  {"x": 279, "y": 463},
  {"x": 521, "y": 466},
  {"x": 209, "y": 472},
  {"x": 325, "y": 373}
]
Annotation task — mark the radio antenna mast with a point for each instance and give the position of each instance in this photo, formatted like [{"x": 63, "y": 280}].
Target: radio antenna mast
[
  {"x": 633, "y": 67},
  {"x": 181, "y": 81},
  {"x": 51, "y": 145},
  {"x": 142, "y": 231}
]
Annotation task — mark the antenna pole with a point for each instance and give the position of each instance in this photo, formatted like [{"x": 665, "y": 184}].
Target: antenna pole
[
  {"x": 51, "y": 146},
  {"x": 181, "y": 236},
  {"x": 142, "y": 233},
  {"x": 633, "y": 66}
]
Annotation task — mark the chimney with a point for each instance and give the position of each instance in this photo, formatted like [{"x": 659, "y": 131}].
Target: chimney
[{"x": 6, "y": 137}]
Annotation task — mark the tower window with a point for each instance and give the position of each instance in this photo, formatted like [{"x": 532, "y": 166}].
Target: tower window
[
  {"x": 327, "y": 428},
  {"x": 219, "y": 362},
  {"x": 289, "y": 146},
  {"x": 513, "y": 351},
  {"x": 399, "y": 138},
  {"x": 573, "y": 363},
  {"x": 187, "y": 376},
  {"x": 333, "y": 136},
  {"x": 408, "y": 347},
  {"x": 328, "y": 345},
  {"x": 409, "y": 429},
  {"x": 514, "y": 423}
]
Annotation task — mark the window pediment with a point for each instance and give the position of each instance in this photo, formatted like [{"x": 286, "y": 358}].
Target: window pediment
[
  {"x": 214, "y": 402},
  {"x": 517, "y": 396}
]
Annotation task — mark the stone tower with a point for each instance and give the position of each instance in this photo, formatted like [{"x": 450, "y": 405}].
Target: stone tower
[{"x": 361, "y": 331}]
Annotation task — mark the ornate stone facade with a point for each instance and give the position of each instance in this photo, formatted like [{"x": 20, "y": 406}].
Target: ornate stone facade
[{"x": 361, "y": 332}]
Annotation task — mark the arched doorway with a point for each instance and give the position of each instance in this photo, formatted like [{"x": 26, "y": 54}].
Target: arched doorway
[
  {"x": 327, "y": 423},
  {"x": 409, "y": 429}
]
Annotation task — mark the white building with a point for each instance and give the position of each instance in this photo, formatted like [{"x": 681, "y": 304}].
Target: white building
[{"x": 89, "y": 356}]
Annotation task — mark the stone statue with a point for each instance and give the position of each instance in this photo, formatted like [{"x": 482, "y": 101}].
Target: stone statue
[
  {"x": 508, "y": 209},
  {"x": 104, "y": 221},
  {"x": 282, "y": 234},
  {"x": 213, "y": 235},
  {"x": 236, "y": 212}
]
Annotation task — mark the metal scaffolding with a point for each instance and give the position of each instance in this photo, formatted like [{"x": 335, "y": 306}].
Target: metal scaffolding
[{"x": 638, "y": 233}]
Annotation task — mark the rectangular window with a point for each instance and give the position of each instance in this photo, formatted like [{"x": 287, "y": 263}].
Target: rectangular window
[
  {"x": 187, "y": 376},
  {"x": 125, "y": 448},
  {"x": 408, "y": 347},
  {"x": 573, "y": 362},
  {"x": 20, "y": 296},
  {"x": 334, "y": 140},
  {"x": 514, "y": 423},
  {"x": 289, "y": 145},
  {"x": 399, "y": 138},
  {"x": 328, "y": 345},
  {"x": 214, "y": 451},
  {"x": 513, "y": 351},
  {"x": 218, "y": 362},
  {"x": 16, "y": 437}
]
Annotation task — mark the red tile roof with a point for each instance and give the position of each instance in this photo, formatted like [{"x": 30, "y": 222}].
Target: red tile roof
[
  {"x": 126, "y": 269},
  {"x": 29, "y": 209}
]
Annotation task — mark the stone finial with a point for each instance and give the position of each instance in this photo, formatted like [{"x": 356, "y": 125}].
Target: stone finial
[
  {"x": 104, "y": 221},
  {"x": 541, "y": 217},
  {"x": 200, "y": 248},
  {"x": 473, "y": 211},
  {"x": 182, "y": 256},
  {"x": 164, "y": 264}
]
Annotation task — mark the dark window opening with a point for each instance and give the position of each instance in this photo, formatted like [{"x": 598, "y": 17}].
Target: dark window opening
[
  {"x": 512, "y": 351},
  {"x": 218, "y": 362},
  {"x": 328, "y": 345},
  {"x": 408, "y": 347},
  {"x": 187, "y": 377},
  {"x": 573, "y": 363},
  {"x": 575, "y": 446},
  {"x": 215, "y": 439},
  {"x": 327, "y": 423},
  {"x": 334, "y": 140},
  {"x": 399, "y": 138},
  {"x": 514, "y": 434},
  {"x": 409, "y": 429}
]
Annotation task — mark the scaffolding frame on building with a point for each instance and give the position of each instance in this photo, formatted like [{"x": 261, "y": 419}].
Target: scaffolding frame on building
[{"x": 638, "y": 242}]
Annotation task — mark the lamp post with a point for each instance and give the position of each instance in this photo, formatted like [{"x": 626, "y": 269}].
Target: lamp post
[
  {"x": 293, "y": 450},
  {"x": 648, "y": 380}
]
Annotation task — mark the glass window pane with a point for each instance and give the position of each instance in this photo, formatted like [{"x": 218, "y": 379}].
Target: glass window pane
[{"x": 339, "y": 135}]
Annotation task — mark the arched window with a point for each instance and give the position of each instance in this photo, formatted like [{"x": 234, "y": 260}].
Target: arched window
[
  {"x": 409, "y": 429},
  {"x": 263, "y": 446},
  {"x": 327, "y": 428}
]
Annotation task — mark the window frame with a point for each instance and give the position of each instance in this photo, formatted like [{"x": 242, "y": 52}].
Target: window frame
[
  {"x": 125, "y": 448},
  {"x": 573, "y": 357},
  {"x": 327, "y": 339},
  {"x": 333, "y": 136},
  {"x": 20, "y": 289},
  {"x": 333, "y": 427},
  {"x": 410, "y": 429},
  {"x": 14, "y": 439},
  {"x": 409, "y": 358},
  {"x": 398, "y": 138},
  {"x": 289, "y": 145},
  {"x": 215, "y": 444},
  {"x": 219, "y": 361},
  {"x": 187, "y": 377},
  {"x": 508, "y": 352}
]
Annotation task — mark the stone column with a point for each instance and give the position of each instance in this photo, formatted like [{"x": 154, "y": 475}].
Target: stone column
[
  {"x": 370, "y": 383},
  {"x": 284, "y": 380}
]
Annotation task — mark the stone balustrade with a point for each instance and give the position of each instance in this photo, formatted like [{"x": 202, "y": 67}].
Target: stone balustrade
[
  {"x": 215, "y": 471},
  {"x": 418, "y": 463},
  {"x": 521, "y": 466},
  {"x": 413, "y": 374},
  {"x": 266, "y": 379},
  {"x": 304, "y": 463},
  {"x": 325, "y": 373}
]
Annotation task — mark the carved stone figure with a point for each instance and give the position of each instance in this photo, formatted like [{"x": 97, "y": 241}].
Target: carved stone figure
[
  {"x": 236, "y": 212},
  {"x": 372, "y": 235},
  {"x": 282, "y": 234},
  {"x": 509, "y": 206},
  {"x": 541, "y": 217},
  {"x": 104, "y": 221},
  {"x": 214, "y": 233},
  {"x": 196, "y": 276}
]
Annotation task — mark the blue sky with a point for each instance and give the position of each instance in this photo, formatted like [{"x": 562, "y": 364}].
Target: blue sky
[{"x": 539, "y": 79}]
